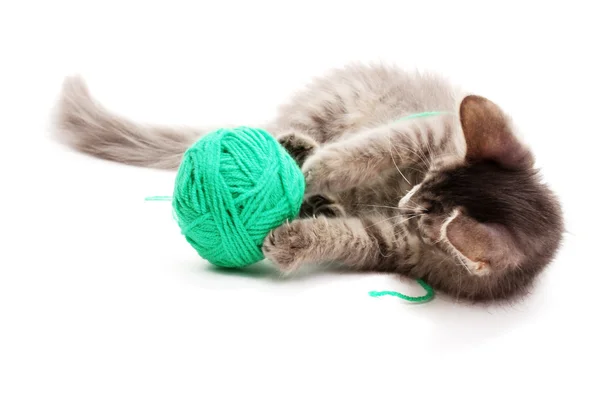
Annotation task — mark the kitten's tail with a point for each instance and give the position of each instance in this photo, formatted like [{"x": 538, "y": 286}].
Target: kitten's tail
[{"x": 87, "y": 126}]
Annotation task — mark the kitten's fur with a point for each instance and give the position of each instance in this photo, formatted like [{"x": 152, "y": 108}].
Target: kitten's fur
[{"x": 451, "y": 198}]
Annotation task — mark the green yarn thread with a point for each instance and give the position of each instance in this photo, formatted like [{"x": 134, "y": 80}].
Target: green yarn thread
[
  {"x": 159, "y": 198},
  {"x": 233, "y": 186},
  {"x": 415, "y": 299},
  {"x": 423, "y": 114}
]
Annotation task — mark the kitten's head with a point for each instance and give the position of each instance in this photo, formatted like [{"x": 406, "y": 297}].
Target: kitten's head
[{"x": 489, "y": 208}]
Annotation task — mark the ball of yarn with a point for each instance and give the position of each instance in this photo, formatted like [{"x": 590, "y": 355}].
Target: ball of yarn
[{"x": 233, "y": 186}]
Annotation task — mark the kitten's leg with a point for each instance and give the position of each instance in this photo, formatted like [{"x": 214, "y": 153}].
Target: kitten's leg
[
  {"x": 298, "y": 145},
  {"x": 362, "y": 244},
  {"x": 362, "y": 158}
]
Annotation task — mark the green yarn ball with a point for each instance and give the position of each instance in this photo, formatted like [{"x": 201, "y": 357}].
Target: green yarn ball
[{"x": 233, "y": 186}]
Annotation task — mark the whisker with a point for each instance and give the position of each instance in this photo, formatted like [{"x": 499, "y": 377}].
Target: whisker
[
  {"x": 418, "y": 209},
  {"x": 418, "y": 205},
  {"x": 397, "y": 216},
  {"x": 387, "y": 219},
  {"x": 392, "y": 207},
  {"x": 417, "y": 146},
  {"x": 444, "y": 260},
  {"x": 460, "y": 259},
  {"x": 419, "y": 156},
  {"x": 422, "y": 158},
  {"x": 430, "y": 151},
  {"x": 417, "y": 170},
  {"x": 394, "y": 160}
]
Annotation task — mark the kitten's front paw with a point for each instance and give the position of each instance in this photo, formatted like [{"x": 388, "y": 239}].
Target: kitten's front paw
[
  {"x": 287, "y": 246},
  {"x": 323, "y": 173},
  {"x": 299, "y": 146}
]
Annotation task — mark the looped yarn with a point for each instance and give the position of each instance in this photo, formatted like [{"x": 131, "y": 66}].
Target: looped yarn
[{"x": 233, "y": 186}]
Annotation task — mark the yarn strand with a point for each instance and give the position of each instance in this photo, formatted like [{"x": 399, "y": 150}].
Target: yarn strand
[
  {"x": 423, "y": 115},
  {"x": 415, "y": 299},
  {"x": 158, "y": 198}
]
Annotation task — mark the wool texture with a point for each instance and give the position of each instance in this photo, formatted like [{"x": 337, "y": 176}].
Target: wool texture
[{"x": 233, "y": 186}]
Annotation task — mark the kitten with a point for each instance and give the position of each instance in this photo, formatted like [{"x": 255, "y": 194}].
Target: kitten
[{"x": 452, "y": 197}]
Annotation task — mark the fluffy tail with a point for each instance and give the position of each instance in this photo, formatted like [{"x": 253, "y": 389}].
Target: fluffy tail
[{"x": 88, "y": 127}]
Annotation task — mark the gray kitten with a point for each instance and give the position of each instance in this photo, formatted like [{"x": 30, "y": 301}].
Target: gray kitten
[{"x": 452, "y": 197}]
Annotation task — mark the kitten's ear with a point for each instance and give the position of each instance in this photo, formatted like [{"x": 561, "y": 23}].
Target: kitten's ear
[
  {"x": 486, "y": 247},
  {"x": 489, "y": 136}
]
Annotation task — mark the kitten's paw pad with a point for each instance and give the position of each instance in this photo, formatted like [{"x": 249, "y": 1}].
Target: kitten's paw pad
[
  {"x": 316, "y": 205},
  {"x": 331, "y": 211},
  {"x": 299, "y": 146},
  {"x": 286, "y": 246}
]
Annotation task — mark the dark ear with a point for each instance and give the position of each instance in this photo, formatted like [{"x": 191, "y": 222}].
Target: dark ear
[
  {"x": 488, "y": 247},
  {"x": 489, "y": 136}
]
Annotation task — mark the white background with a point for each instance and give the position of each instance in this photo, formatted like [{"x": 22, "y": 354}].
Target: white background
[{"x": 100, "y": 294}]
